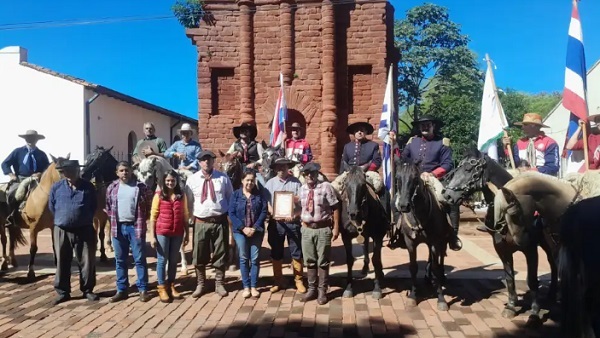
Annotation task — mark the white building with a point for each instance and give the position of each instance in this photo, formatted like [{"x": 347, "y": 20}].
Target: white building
[{"x": 73, "y": 114}]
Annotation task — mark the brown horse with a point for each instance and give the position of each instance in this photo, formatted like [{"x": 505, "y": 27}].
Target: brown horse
[{"x": 35, "y": 215}]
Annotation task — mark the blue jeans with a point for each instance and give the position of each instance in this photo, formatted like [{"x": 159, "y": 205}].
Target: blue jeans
[
  {"x": 167, "y": 252},
  {"x": 126, "y": 239},
  {"x": 249, "y": 248}
]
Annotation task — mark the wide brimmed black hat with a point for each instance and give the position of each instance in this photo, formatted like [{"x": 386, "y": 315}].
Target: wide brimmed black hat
[
  {"x": 68, "y": 164},
  {"x": 354, "y": 126},
  {"x": 426, "y": 118},
  {"x": 284, "y": 161},
  {"x": 311, "y": 167},
  {"x": 248, "y": 126}
]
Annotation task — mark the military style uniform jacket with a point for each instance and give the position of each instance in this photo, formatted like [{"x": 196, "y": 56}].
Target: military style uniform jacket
[
  {"x": 369, "y": 154},
  {"x": 434, "y": 156}
]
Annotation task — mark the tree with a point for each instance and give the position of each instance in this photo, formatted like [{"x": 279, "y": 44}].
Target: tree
[
  {"x": 189, "y": 13},
  {"x": 433, "y": 53}
]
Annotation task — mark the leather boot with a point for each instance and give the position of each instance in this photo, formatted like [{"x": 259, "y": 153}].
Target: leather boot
[
  {"x": 201, "y": 278},
  {"x": 174, "y": 293},
  {"x": 298, "y": 272},
  {"x": 162, "y": 294},
  {"x": 455, "y": 243},
  {"x": 277, "y": 276},
  {"x": 323, "y": 286},
  {"x": 219, "y": 279},
  {"x": 311, "y": 294}
]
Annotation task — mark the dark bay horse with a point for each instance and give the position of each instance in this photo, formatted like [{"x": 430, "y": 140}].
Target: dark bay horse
[
  {"x": 363, "y": 216},
  {"x": 478, "y": 172},
  {"x": 232, "y": 166},
  {"x": 100, "y": 168},
  {"x": 580, "y": 270},
  {"x": 422, "y": 220}
]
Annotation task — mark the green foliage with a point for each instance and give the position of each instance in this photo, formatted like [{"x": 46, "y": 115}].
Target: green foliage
[
  {"x": 433, "y": 52},
  {"x": 189, "y": 12}
]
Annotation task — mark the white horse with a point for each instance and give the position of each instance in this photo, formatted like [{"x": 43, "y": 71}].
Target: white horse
[{"x": 151, "y": 170}]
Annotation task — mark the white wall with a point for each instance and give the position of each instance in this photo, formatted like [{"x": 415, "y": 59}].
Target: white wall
[
  {"x": 30, "y": 99},
  {"x": 112, "y": 120},
  {"x": 558, "y": 119}
]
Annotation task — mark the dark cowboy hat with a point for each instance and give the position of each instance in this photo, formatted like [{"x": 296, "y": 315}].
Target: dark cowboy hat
[
  {"x": 296, "y": 125},
  {"x": 68, "y": 164},
  {"x": 426, "y": 118},
  {"x": 283, "y": 160},
  {"x": 206, "y": 153},
  {"x": 354, "y": 126},
  {"x": 247, "y": 126},
  {"x": 32, "y": 133},
  {"x": 311, "y": 167}
]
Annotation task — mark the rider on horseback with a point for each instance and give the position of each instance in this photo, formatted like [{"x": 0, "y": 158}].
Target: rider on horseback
[
  {"x": 433, "y": 153},
  {"x": 245, "y": 147},
  {"x": 297, "y": 148},
  {"x": 186, "y": 151},
  {"x": 26, "y": 161},
  {"x": 150, "y": 144}
]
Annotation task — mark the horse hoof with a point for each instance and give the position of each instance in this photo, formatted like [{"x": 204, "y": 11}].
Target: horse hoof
[
  {"x": 348, "y": 294},
  {"x": 442, "y": 306},
  {"x": 509, "y": 313},
  {"x": 410, "y": 302},
  {"x": 13, "y": 262},
  {"x": 365, "y": 270},
  {"x": 110, "y": 249},
  {"x": 31, "y": 275},
  {"x": 103, "y": 258},
  {"x": 377, "y": 295},
  {"x": 4, "y": 266},
  {"x": 534, "y": 321}
]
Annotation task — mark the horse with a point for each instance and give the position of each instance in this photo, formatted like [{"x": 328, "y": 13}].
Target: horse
[
  {"x": 478, "y": 172},
  {"x": 232, "y": 166},
  {"x": 423, "y": 220},
  {"x": 35, "y": 215},
  {"x": 363, "y": 217},
  {"x": 269, "y": 155},
  {"x": 100, "y": 168},
  {"x": 579, "y": 273}
]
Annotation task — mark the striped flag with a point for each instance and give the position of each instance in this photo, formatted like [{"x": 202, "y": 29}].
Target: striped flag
[
  {"x": 575, "y": 92},
  {"x": 278, "y": 127},
  {"x": 387, "y": 123}
]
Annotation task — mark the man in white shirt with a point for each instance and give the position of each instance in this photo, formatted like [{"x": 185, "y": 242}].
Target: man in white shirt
[{"x": 208, "y": 193}]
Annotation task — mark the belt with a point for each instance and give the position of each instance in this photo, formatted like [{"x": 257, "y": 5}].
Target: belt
[
  {"x": 212, "y": 219},
  {"x": 318, "y": 225}
]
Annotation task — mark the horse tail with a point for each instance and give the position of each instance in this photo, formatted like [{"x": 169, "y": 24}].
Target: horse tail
[
  {"x": 16, "y": 236},
  {"x": 571, "y": 281}
]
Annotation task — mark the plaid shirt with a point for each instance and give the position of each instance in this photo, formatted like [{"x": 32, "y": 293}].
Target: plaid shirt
[
  {"x": 325, "y": 199},
  {"x": 143, "y": 196}
]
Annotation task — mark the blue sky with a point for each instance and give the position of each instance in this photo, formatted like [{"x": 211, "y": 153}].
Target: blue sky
[{"x": 156, "y": 62}]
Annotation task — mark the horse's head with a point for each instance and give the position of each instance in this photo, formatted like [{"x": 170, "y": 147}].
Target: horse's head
[
  {"x": 147, "y": 171},
  {"x": 356, "y": 192},
  {"x": 408, "y": 180},
  {"x": 100, "y": 163},
  {"x": 468, "y": 177},
  {"x": 516, "y": 213},
  {"x": 56, "y": 161},
  {"x": 229, "y": 164},
  {"x": 269, "y": 155}
]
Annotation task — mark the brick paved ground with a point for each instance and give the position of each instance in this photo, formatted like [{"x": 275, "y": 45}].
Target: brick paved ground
[{"x": 474, "y": 291}]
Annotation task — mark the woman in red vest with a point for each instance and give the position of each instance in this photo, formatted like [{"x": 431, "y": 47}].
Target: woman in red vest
[
  {"x": 168, "y": 219},
  {"x": 248, "y": 212}
]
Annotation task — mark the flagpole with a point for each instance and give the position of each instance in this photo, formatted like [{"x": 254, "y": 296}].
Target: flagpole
[
  {"x": 508, "y": 147},
  {"x": 586, "y": 155},
  {"x": 392, "y": 137}
]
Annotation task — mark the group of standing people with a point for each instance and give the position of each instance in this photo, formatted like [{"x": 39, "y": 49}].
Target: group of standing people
[{"x": 208, "y": 203}]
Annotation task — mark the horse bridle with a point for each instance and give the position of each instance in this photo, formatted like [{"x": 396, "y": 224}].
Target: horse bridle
[{"x": 475, "y": 181}]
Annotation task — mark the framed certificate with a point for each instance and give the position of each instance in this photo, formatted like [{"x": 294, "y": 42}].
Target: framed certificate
[{"x": 283, "y": 205}]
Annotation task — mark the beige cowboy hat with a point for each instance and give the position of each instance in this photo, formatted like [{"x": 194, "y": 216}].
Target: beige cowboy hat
[
  {"x": 532, "y": 118},
  {"x": 185, "y": 127},
  {"x": 32, "y": 133}
]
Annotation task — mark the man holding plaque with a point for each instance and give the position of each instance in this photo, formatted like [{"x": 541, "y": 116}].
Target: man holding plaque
[
  {"x": 282, "y": 194},
  {"x": 320, "y": 225}
]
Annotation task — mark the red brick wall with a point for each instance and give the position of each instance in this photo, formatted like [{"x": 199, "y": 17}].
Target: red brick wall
[{"x": 363, "y": 49}]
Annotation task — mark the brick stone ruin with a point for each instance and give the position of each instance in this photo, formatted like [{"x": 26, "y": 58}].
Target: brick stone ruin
[{"x": 333, "y": 56}]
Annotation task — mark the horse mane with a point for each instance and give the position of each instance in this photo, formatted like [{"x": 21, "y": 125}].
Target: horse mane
[{"x": 356, "y": 174}]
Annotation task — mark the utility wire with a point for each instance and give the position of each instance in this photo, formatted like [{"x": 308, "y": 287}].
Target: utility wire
[{"x": 124, "y": 19}]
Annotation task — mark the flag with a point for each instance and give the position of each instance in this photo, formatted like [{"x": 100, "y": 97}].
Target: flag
[
  {"x": 278, "y": 127},
  {"x": 493, "y": 121},
  {"x": 388, "y": 123},
  {"x": 575, "y": 92}
]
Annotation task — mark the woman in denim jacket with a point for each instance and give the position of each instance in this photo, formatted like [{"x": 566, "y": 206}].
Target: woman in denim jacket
[{"x": 248, "y": 211}]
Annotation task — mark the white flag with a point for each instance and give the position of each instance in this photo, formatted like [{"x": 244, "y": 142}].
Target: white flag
[{"x": 493, "y": 121}]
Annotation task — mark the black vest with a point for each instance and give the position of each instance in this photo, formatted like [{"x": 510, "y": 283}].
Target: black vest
[{"x": 253, "y": 155}]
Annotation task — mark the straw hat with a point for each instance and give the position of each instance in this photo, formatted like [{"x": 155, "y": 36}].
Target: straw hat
[
  {"x": 32, "y": 133},
  {"x": 532, "y": 118},
  {"x": 186, "y": 127}
]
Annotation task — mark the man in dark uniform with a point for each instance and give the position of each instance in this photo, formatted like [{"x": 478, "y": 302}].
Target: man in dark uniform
[
  {"x": 435, "y": 160},
  {"x": 245, "y": 147},
  {"x": 362, "y": 151}
]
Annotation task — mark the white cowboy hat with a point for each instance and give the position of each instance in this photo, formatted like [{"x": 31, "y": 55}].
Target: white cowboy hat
[
  {"x": 32, "y": 133},
  {"x": 186, "y": 127}
]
